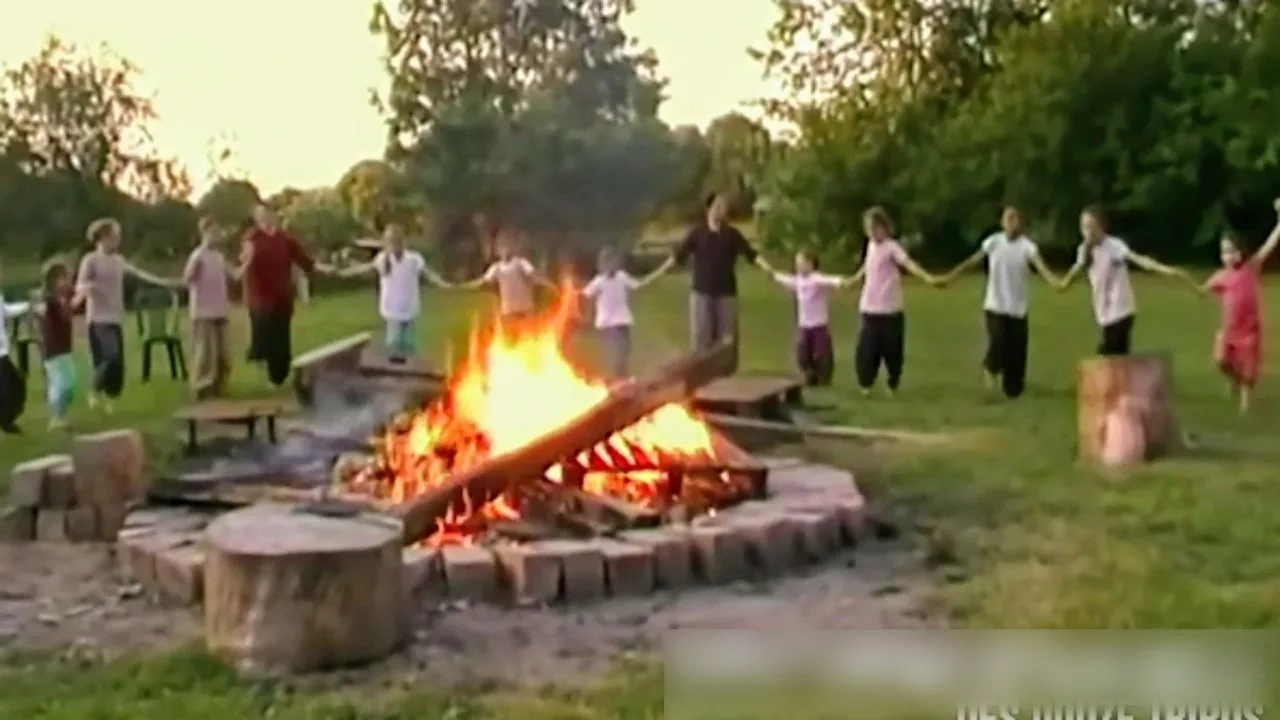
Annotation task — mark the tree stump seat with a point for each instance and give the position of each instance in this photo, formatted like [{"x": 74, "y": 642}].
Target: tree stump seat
[{"x": 1126, "y": 412}]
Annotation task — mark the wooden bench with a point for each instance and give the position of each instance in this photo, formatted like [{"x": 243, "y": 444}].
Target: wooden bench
[
  {"x": 375, "y": 361},
  {"x": 758, "y": 396},
  {"x": 244, "y": 413},
  {"x": 341, "y": 356}
]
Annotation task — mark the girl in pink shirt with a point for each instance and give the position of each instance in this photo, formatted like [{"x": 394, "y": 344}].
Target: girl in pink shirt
[
  {"x": 814, "y": 354},
  {"x": 1237, "y": 347},
  {"x": 882, "y": 331}
]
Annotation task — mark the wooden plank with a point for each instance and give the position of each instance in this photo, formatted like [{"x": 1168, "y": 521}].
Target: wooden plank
[
  {"x": 843, "y": 432},
  {"x": 227, "y": 411}
]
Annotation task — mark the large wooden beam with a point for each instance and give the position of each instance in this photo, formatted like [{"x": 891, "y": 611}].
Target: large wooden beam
[{"x": 626, "y": 404}]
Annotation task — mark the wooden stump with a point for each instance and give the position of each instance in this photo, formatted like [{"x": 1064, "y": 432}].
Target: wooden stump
[
  {"x": 289, "y": 590},
  {"x": 1125, "y": 409}
]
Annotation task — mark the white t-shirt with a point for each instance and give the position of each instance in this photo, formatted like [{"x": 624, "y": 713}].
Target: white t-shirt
[
  {"x": 4, "y": 328},
  {"x": 812, "y": 292},
  {"x": 612, "y": 296},
  {"x": 399, "y": 295},
  {"x": 514, "y": 277},
  {"x": 1007, "y": 271},
  {"x": 1109, "y": 277}
]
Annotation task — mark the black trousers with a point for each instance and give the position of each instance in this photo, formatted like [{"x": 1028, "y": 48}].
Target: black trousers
[
  {"x": 271, "y": 342},
  {"x": 106, "y": 352},
  {"x": 13, "y": 393},
  {"x": 814, "y": 355},
  {"x": 1006, "y": 357},
  {"x": 1117, "y": 337},
  {"x": 881, "y": 341}
]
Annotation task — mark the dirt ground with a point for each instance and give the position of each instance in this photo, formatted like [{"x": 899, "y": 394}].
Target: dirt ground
[{"x": 67, "y": 599}]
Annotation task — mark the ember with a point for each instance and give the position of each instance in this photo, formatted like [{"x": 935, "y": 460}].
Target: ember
[{"x": 516, "y": 385}]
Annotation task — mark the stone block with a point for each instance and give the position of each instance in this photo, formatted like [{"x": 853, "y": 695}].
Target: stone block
[
  {"x": 17, "y": 524},
  {"x": 423, "y": 572},
  {"x": 165, "y": 518},
  {"x": 581, "y": 568},
  {"x": 719, "y": 554},
  {"x": 51, "y": 526},
  {"x": 26, "y": 481},
  {"x": 136, "y": 554},
  {"x": 672, "y": 555},
  {"x": 770, "y": 541},
  {"x": 470, "y": 573},
  {"x": 810, "y": 479},
  {"x": 852, "y": 515},
  {"x": 179, "y": 573},
  {"x": 531, "y": 573},
  {"x": 59, "y": 487},
  {"x": 818, "y": 534},
  {"x": 628, "y": 567},
  {"x": 82, "y": 524}
]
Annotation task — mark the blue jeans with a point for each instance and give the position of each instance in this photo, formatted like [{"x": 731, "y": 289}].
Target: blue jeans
[
  {"x": 60, "y": 379},
  {"x": 400, "y": 337}
]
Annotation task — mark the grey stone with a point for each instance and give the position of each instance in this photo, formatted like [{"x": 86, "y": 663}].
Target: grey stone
[
  {"x": 136, "y": 554},
  {"x": 719, "y": 553},
  {"x": 770, "y": 541},
  {"x": 628, "y": 567},
  {"x": 26, "y": 481},
  {"x": 179, "y": 574},
  {"x": 470, "y": 573},
  {"x": 672, "y": 555},
  {"x": 581, "y": 567},
  {"x": 51, "y": 526},
  {"x": 531, "y": 573},
  {"x": 424, "y": 572},
  {"x": 17, "y": 524},
  {"x": 818, "y": 534}
]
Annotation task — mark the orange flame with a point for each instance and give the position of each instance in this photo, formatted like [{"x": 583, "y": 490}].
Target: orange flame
[{"x": 515, "y": 385}]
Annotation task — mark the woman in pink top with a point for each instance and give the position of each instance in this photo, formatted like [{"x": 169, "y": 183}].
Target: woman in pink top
[
  {"x": 882, "y": 332},
  {"x": 1237, "y": 348}
]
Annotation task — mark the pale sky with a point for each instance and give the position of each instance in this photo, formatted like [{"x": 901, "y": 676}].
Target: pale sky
[{"x": 285, "y": 83}]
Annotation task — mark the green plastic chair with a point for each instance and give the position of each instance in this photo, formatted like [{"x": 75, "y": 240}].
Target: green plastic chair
[{"x": 157, "y": 313}]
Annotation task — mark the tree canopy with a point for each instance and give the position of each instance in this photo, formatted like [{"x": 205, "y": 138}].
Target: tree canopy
[{"x": 1160, "y": 110}]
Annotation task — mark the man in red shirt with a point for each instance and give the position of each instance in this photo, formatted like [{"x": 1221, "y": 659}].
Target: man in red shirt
[{"x": 269, "y": 256}]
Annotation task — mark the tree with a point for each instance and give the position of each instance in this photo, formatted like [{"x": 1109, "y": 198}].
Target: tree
[
  {"x": 230, "y": 201},
  {"x": 321, "y": 218},
  {"x": 531, "y": 111},
  {"x": 740, "y": 152},
  {"x": 945, "y": 111},
  {"x": 76, "y": 128},
  {"x": 375, "y": 193}
]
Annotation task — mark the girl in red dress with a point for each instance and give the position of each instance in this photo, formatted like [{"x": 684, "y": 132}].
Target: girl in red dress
[{"x": 1237, "y": 348}]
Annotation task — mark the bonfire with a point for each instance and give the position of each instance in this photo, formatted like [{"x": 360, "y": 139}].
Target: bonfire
[{"x": 515, "y": 384}]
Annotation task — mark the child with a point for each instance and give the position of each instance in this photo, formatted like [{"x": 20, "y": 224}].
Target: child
[
  {"x": 1108, "y": 259},
  {"x": 1237, "y": 347},
  {"x": 1009, "y": 255},
  {"x": 611, "y": 290},
  {"x": 814, "y": 354},
  {"x": 882, "y": 332},
  {"x": 206, "y": 275},
  {"x": 55, "y": 320},
  {"x": 399, "y": 297},
  {"x": 13, "y": 387},
  {"x": 515, "y": 277},
  {"x": 101, "y": 281}
]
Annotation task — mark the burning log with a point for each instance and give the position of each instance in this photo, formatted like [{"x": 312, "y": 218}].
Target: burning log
[
  {"x": 299, "y": 588},
  {"x": 625, "y": 405}
]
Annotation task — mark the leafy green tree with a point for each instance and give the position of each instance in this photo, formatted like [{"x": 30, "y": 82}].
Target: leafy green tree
[
  {"x": 230, "y": 201},
  {"x": 321, "y": 218}
]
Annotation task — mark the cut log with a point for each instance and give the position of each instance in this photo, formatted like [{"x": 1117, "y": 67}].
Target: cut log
[
  {"x": 1125, "y": 409},
  {"x": 291, "y": 590},
  {"x": 625, "y": 405}
]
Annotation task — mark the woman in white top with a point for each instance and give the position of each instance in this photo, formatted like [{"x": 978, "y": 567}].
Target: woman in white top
[
  {"x": 611, "y": 290},
  {"x": 400, "y": 271},
  {"x": 1108, "y": 258},
  {"x": 1009, "y": 254}
]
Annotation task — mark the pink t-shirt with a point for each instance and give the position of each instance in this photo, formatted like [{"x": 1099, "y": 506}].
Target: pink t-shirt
[
  {"x": 1239, "y": 289},
  {"x": 812, "y": 291},
  {"x": 206, "y": 274},
  {"x": 882, "y": 286},
  {"x": 612, "y": 294}
]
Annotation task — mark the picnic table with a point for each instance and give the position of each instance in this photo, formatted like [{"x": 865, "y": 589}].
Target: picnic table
[{"x": 244, "y": 413}]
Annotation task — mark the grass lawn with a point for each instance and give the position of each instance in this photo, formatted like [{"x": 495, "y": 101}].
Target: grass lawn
[{"x": 1183, "y": 543}]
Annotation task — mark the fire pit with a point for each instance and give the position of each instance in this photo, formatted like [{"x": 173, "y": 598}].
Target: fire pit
[
  {"x": 517, "y": 388},
  {"x": 524, "y": 480}
]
